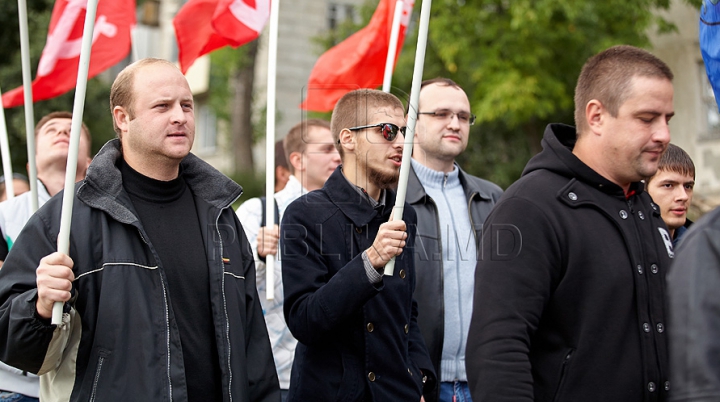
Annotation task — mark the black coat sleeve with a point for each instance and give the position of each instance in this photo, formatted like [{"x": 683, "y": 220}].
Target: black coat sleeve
[
  {"x": 513, "y": 283},
  {"x": 694, "y": 322},
  {"x": 27, "y": 336}
]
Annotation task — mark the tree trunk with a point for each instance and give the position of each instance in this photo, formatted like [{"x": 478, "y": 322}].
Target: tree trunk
[
  {"x": 241, "y": 127},
  {"x": 533, "y": 134}
]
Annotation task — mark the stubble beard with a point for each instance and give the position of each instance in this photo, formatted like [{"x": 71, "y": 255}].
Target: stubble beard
[{"x": 382, "y": 179}]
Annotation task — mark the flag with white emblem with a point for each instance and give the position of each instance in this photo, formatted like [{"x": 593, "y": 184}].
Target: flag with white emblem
[
  {"x": 202, "y": 26},
  {"x": 58, "y": 67}
]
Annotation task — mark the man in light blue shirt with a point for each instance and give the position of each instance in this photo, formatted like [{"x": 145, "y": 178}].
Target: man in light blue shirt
[{"x": 451, "y": 206}]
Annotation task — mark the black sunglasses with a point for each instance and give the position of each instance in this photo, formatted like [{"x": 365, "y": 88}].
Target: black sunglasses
[{"x": 389, "y": 131}]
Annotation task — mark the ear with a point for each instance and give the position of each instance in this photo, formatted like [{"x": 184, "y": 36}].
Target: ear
[
  {"x": 296, "y": 160},
  {"x": 347, "y": 140},
  {"x": 595, "y": 114},
  {"x": 121, "y": 117}
]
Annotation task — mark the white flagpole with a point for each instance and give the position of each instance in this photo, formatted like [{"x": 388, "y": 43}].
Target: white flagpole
[
  {"x": 270, "y": 144},
  {"x": 5, "y": 152},
  {"x": 412, "y": 119},
  {"x": 75, "y": 127},
  {"x": 392, "y": 48},
  {"x": 27, "y": 93}
]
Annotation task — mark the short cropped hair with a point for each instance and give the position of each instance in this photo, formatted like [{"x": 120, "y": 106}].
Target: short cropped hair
[
  {"x": 442, "y": 81},
  {"x": 675, "y": 159},
  {"x": 608, "y": 75},
  {"x": 121, "y": 92},
  {"x": 296, "y": 138},
  {"x": 61, "y": 115},
  {"x": 352, "y": 110}
]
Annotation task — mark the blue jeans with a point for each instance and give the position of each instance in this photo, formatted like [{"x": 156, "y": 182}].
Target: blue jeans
[
  {"x": 13, "y": 397},
  {"x": 457, "y": 391}
]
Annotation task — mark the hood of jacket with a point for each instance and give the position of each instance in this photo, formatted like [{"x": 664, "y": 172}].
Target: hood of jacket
[
  {"x": 556, "y": 156},
  {"x": 103, "y": 188}
]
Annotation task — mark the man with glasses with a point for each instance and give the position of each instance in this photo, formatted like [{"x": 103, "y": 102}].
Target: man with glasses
[
  {"x": 451, "y": 206},
  {"x": 357, "y": 332}
]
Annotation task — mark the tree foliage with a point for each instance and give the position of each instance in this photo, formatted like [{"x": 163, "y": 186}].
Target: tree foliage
[{"x": 518, "y": 61}]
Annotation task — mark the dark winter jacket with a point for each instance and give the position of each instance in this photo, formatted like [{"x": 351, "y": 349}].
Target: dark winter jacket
[
  {"x": 119, "y": 341},
  {"x": 570, "y": 292},
  {"x": 481, "y": 197},
  {"x": 356, "y": 341},
  {"x": 694, "y": 302}
]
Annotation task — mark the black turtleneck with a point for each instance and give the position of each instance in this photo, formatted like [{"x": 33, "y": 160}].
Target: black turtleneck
[{"x": 168, "y": 214}]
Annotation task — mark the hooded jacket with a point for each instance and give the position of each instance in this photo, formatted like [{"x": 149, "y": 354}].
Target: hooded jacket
[
  {"x": 570, "y": 291},
  {"x": 357, "y": 341},
  {"x": 119, "y": 340}
]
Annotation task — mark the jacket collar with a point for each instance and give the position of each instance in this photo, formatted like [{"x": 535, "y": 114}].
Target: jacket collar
[
  {"x": 103, "y": 189},
  {"x": 558, "y": 143},
  {"x": 416, "y": 191},
  {"x": 351, "y": 203}
]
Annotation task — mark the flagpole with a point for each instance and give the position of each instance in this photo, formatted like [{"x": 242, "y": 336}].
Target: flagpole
[
  {"x": 28, "y": 96},
  {"x": 270, "y": 144},
  {"x": 411, "y": 120},
  {"x": 392, "y": 48},
  {"x": 75, "y": 127},
  {"x": 5, "y": 152}
]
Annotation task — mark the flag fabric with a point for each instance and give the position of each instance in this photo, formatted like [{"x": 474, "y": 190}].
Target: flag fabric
[
  {"x": 202, "y": 26},
  {"x": 58, "y": 68},
  {"x": 356, "y": 62},
  {"x": 710, "y": 43}
]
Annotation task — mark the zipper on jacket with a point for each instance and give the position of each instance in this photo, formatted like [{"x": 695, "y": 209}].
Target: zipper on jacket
[
  {"x": 167, "y": 313},
  {"x": 563, "y": 373},
  {"x": 222, "y": 291},
  {"x": 101, "y": 360}
]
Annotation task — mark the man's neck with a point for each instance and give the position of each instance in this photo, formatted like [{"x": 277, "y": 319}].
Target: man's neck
[
  {"x": 360, "y": 179},
  {"x": 589, "y": 155},
  {"x": 438, "y": 165},
  {"x": 304, "y": 181},
  {"x": 54, "y": 180},
  {"x": 157, "y": 171}
]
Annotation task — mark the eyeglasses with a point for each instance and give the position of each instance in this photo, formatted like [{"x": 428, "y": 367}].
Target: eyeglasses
[
  {"x": 444, "y": 114},
  {"x": 389, "y": 131}
]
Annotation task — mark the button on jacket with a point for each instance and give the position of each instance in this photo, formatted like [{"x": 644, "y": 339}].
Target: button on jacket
[
  {"x": 357, "y": 341},
  {"x": 570, "y": 292}
]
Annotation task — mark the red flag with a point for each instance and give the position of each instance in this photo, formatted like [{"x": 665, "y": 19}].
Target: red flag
[
  {"x": 356, "y": 62},
  {"x": 58, "y": 67},
  {"x": 202, "y": 26}
]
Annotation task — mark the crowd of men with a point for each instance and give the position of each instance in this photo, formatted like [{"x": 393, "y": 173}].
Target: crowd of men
[{"x": 580, "y": 282}]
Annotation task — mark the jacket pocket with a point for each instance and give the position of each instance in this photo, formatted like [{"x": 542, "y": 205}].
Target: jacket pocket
[
  {"x": 103, "y": 355},
  {"x": 352, "y": 380},
  {"x": 564, "y": 371}
]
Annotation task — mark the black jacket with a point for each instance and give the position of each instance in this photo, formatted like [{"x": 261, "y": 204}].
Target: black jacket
[
  {"x": 694, "y": 328},
  {"x": 122, "y": 343},
  {"x": 357, "y": 341},
  {"x": 570, "y": 293},
  {"x": 481, "y": 197}
]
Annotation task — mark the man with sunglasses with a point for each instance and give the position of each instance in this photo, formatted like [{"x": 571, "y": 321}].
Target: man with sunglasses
[
  {"x": 357, "y": 332},
  {"x": 451, "y": 206}
]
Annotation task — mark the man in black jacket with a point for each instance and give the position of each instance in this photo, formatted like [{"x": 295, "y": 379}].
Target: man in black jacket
[
  {"x": 159, "y": 283},
  {"x": 570, "y": 293},
  {"x": 451, "y": 206},
  {"x": 358, "y": 339}
]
